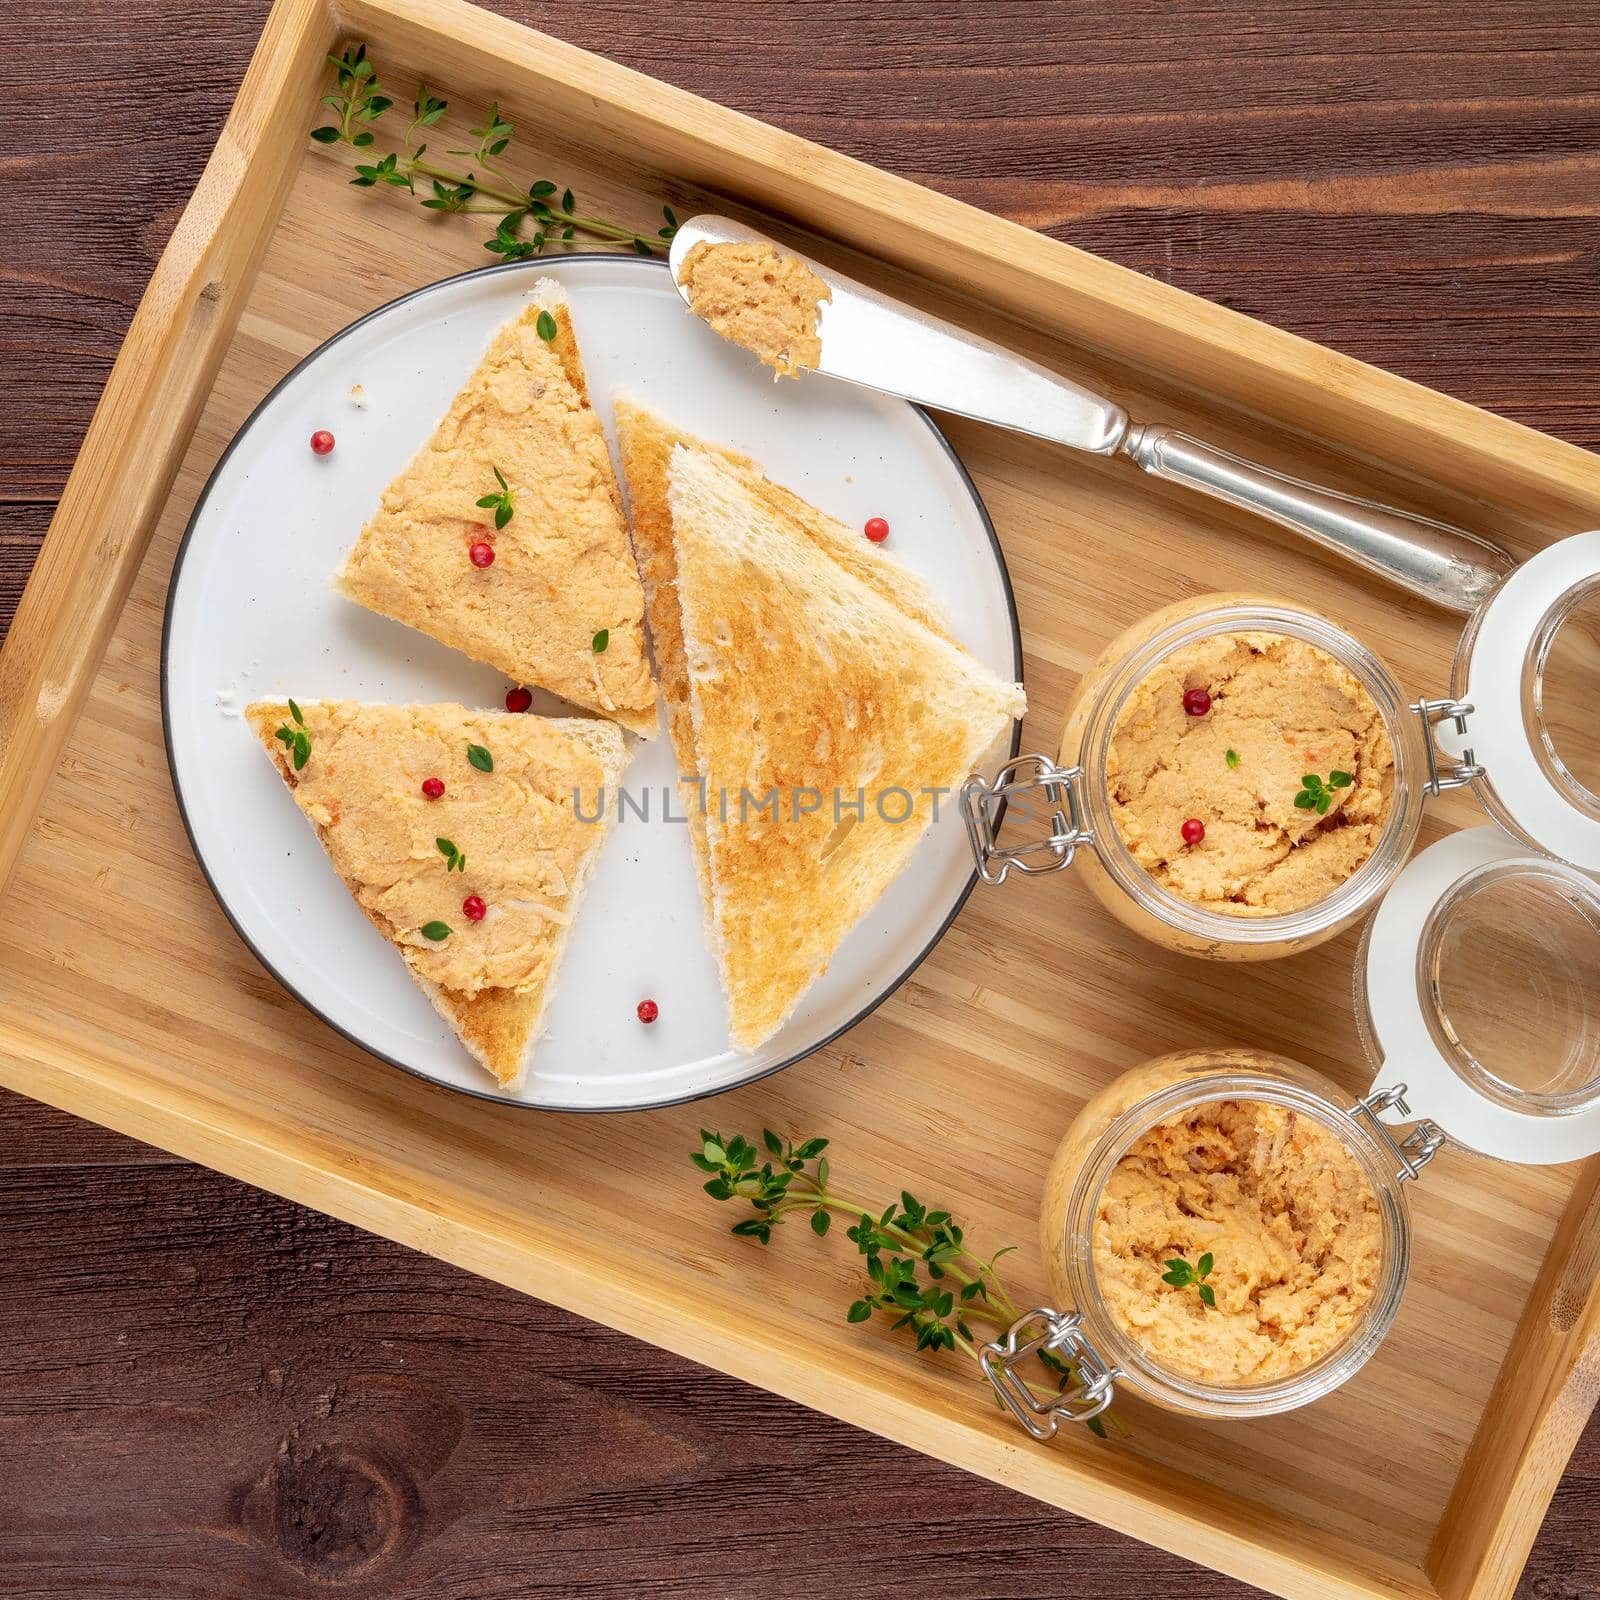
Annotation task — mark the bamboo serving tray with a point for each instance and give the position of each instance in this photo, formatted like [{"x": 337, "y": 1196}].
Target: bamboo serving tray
[{"x": 126, "y": 997}]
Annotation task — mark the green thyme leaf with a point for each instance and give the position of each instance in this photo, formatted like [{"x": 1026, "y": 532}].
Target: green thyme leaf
[
  {"x": 325, "y": 135},
  {"x": 480, "y": 758},
  {"x": 296, "y": 741},
  {"x": 436, "y": 931},
  {"x": 600, "y": 641},
  {"x": 1182, "y": 1276},
  {"x": 501, "y": 500},
  {"x": 1232, "y": 758},
  {"x": 820, "y": 1221},
  {"x": 454, "y": 861},
  {"x": 860, "y": 1311},
  {"x": 545, "y": 327},
  {"x": 1316, "y": 794},
  {"x": 294, "y": 711}
]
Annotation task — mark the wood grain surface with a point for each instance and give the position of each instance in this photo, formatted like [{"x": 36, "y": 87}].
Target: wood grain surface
[{"x": 206, "y": 1391}]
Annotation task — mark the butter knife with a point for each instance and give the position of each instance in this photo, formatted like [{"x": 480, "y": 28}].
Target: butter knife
[{"x": 878, "y": 342}]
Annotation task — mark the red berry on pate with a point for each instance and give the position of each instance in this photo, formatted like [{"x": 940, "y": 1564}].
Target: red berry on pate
[
  {"x": 518, "y": 699},
  {"x": 481, "y": 553},
  {"x": 876, "y": 529},
  {"x": 473, "y": 908},
  {"x": 322, "y": 441},
  {"x": 1196, "y": 702},
  {"x": 433, "y": 787},
  {"x": 648, "y": 1011},
  {"x": 1193, "y": 831}
]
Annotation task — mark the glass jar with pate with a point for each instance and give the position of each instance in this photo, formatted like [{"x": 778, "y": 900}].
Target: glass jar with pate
[
  {"x": 1241, "y": 778},
  {"x": 1229, "y": 1231}
]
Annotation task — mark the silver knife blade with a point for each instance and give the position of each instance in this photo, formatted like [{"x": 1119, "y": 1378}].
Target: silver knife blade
[{"x": 871, "y": 340}]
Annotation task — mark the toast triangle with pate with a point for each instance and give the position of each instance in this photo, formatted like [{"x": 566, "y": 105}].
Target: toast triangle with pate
[
  {"x": 840, "y": 716},
  {"x": 560, "y": 604},
  {"x": 646, "y": 442},
  {"x": 519, "y": 843}
]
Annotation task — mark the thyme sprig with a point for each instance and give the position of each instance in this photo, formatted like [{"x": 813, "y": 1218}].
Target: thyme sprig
[
  {"x": 296, "y": 740},
  {"x": 920, "y": 1270},
  {"x": 502, "y": 500},
  {"x": 1181, "y": 1275},
  {"x": 1316, "y": 794},
  {"x": 484, "y": 185}
]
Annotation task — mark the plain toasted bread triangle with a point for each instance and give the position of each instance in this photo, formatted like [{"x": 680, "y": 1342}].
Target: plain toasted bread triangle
[
  {"x": 527, "y": 853},
  {"x": 563, "y": 572},
  {"x": 646, "y": 444},
  {"x": 812, "y": 692}
]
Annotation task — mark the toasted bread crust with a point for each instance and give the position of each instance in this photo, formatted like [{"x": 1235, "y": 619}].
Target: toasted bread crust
[
  {"x": 646, "y": 442},
  {"x": 794, "y": 657}
]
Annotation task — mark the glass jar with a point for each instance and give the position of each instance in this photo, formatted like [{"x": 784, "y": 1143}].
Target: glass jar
[
  {"x": 1497, "y": 732},
  {"x": 1477, "y": 990},
  {"x": 1106, "y": 1355}
]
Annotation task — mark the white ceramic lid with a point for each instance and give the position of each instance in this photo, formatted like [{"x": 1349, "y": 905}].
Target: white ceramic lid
[
  {"x": 1481, "y": 980},
  {"x": 1534, "y": 797}
]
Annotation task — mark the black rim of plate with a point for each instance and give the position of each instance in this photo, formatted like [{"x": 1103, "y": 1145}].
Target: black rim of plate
[{"x": 541, "y": 265}]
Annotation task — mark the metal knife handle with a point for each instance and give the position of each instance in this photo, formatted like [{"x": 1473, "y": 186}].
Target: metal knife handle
[{"x": 1446, "y": 565}]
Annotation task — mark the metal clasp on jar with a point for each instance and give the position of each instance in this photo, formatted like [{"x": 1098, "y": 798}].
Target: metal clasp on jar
[
  {"x": 1459, "y": 773},
  {"x": 1418, "y": 1148},
  {"x": 1085, "y": 1396},
  {"x": 983, "y": 805}
]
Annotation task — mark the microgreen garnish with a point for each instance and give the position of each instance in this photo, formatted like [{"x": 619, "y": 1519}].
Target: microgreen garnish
[
  {"x": 1316, "y": 794},
  {"x": 1182, "y": 1276},
  {"x": 1232, "y": 758},
  {"x": 920, "y": 1269},
  {"x": 454, "y": 861},
  {"x": 296, "y": 740},
  {"x": 500, "y": 500},
  {"x": 600, "y": 641},
  {"x": 483, "y": 185},
  {"x": 480, "y": 758},
  {"x": 436, "y": 931},
  {"x": 545, "y": 326}
]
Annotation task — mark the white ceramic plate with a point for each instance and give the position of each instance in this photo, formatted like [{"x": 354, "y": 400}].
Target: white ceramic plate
[{"x": 250, "y": 615}]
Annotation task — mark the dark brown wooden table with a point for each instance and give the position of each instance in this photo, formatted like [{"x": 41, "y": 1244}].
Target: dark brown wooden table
[{"x": 207, "y": 1391}]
